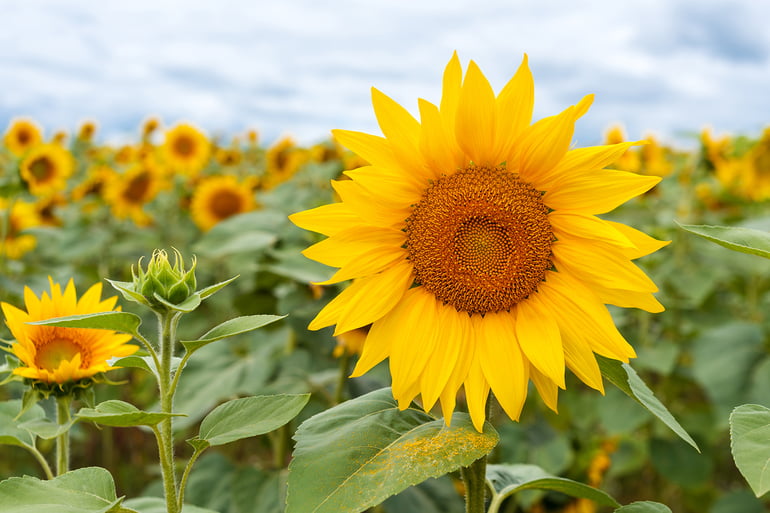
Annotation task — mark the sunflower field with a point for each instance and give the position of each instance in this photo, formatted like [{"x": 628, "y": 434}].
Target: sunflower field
[{"x": 370, "y": 334}]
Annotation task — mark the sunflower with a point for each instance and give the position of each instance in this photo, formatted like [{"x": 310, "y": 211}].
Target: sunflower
[
  {"x": 22, "y": 134},
  {"x": 186, "y": 149},
  {"x": 46, "y": 168},
  {"x": 129, "y": 192},
  {"x": 218, "y": 197},
  {"x": 22, "y": 215},
  {"x": 630, "y": 160},
  {"x": 59, "y": 355},
  {"x": 475, "y": 249},
  {"x": 283, "y": 160}
]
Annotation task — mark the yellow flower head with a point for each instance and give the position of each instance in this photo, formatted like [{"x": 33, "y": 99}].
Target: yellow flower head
[
  {"x": 218, "y": 197},
  {"x": 22, "y": 134},
  {"x": 186, "y": 149},
  {"x": 475, "y": 249},
  {"x": 129, "y": 192},
  {"x": 87, "y": 131},
  {"x": 22, "y": 216},
  {"x": 283, "y": 160},
  {"x": 46, "y": 168},
  {"x": 630, "y": 160},
  {"x": 59, "y": 355}
]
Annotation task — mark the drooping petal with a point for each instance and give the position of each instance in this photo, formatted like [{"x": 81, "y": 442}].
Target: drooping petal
[
  {"x": 448, "y": 396},
  {"x": 540, "y": 339},
  {"x": 449, "y": 338},
  {"x": 547, "y": 389},
  {"x": 476, "y": 394}
]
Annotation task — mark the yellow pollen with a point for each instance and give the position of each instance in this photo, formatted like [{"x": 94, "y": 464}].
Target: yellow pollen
[
  {"x": 480, "y": 240},
  {"x": 50, "y": 354}
]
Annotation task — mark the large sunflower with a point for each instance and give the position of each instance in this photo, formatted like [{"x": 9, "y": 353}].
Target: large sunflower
[
  {"x": 46, "y": 168},
  {"x": 22, "y": 134},
  {"x": 218, "y": 197},
  {"x": 186, "y": 149},
  {"x": 59, "y": 355},
  {"x": 475, "y": 249}
]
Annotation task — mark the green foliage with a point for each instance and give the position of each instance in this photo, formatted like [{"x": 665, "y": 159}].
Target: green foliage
[
  {"x": 745, "y": 240},
  {"x": 121, "y": 414},
  {"x": 644, "y": 507},
  {"x": 375, "y": 451},
  {"x": 116, "y": 321},
  {"x": 750, "y": 434},
  {"x": 86, "y": 490},
  {"x": 231, "y": 328}
]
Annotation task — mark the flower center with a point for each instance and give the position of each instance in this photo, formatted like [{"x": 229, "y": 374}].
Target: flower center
[
  {"x": 480, "y": 240},
  {"x": 184, "y": 146},
  {"x": 52, "y": 353},
  {"x": 137, "y": 188},
  {"x": 42, "y": 169},
  {"x": 225, "y": 204}
]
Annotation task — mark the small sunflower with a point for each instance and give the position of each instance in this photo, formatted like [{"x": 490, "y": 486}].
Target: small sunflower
[
  {"x": 630, "y": 160},
  {"x": 218, "y": 197},
  {"x": 186, "y": 149},
  {"x": 128, "y": 193},
  {"x": 22, "y": 134},
  {"x": 46, "y": 168},
  {"x": 475, "y": 249},
  {"x": 283, "y": 160},
  {"x": 60, "y": 355},
  {"x": 22, "y": 215}
]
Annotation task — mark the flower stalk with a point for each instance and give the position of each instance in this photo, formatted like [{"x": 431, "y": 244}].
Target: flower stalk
[{"x": 63, "y": 404}]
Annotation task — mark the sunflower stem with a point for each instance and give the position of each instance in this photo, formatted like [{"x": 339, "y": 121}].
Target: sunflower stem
[
  {"x": 43, "y": 463},
  {"x": 474, "y": 477},
  {"x": 167, "y": 326},
  {"x": 339, "y": 393},
  {"x": 63, "y": 404}
]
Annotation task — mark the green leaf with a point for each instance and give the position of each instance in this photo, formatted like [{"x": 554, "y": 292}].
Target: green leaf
[
  {"x": 750, "y": 443},
  {"x": 230, "y": 328},
  {"x": 126, "y": 288},
  {"x": 644, "y": 507},
  {"x": 213, "y": 289},
  {"x": 745, "y": 240},
  {"x": 625, "y": 378},
  {"x": 219, "y": 243},
  {"x": 11, "y": 433},
  {"x": 158, "y": 505},
  {"x": 86, "y": 490},
  {"x": 125, "y": 322},
  {"x": 188, "y": 305},
  {"x": 505, "y": 480},
  {"x": 250, "y": 416},
  {"x": 45, "y": 429},
  {"x": 145, "y": 363},
  {"x": 376, "y": 451},
  {"x": 121, "y": 414}
]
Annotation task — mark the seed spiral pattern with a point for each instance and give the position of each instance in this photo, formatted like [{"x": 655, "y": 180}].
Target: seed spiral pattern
[{"x": 480, "y": 239}]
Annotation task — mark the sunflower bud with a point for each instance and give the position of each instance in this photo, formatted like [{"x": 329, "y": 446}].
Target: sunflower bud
[{"x": 163, "y": 283}]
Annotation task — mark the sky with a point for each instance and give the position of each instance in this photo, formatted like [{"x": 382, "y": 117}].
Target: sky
[{"x": 303, "y": 67}]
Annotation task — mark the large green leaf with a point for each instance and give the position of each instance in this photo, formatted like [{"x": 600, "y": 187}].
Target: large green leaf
[
  {"x": 745, "y": 240},
  {"x": 230, "y": 328},
  {"x": 375, "y": 451},
  {"x": 250, "y": 416},
  {"x": 644, "y": 507},
  {"x": 125, "y": 322},
  {"x": 158, "y": 505},
  {"x": 750, "y": 442},
  {"x": 86, "y": 490},
  {"x": 145, "y": 363},
  {"x": 625, "y": 378},
  {"x": 505, "y": 480},
  {"x": 121, "y": 414},
  {"x": 10, "y": 431}
]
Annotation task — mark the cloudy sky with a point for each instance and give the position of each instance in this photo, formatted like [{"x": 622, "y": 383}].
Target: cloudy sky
[{"x": 303, "y": 67}]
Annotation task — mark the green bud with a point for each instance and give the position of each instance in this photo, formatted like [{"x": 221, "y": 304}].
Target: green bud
[{"x": 170, "y": 282}]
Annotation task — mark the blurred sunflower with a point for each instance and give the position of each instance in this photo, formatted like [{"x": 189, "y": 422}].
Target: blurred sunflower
[
  {"x": 87, "y": 131},
  {"x": 22, "y": 134},
  {"x": 655, "y": 158},
  {"x": 283, "y": 160},
  {"x": 218, "y": 197},
  {"x": 475, "y": 249},
  {"x": 46, "y": 168},
  {"x": 59, "y": 355},
  {"x": 128, "y": 193},
  {"x": 186, "y": 149},
  {"x": 630, "y": 160},
  {"x": 22, "y": 215},
  {"x": 748, "y": 175}
]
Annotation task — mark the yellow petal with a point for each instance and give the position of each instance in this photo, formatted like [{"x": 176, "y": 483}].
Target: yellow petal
[
  {"x": 371, "y": 262},
  {"x": 341, "y": 248},
  {"x": 388, "y": 187},
  {"x": 460, "y": 371},
  {"x": 450, "y": 96},
  {"x": 598, "y": 192},
  {"x": 545, "y": 387},
  {"x": 450, "y": 338},
  {"x": 502, "y": 362},
  {"x": 514, "y": 107},
  {"x": 369, "y": 206},
  {"x": 476, "y": 393},
  {"x": 570, "y": 224},
  {"x": 583, "y": 160},
  {"x": 376, "y": 297},
  {"x": 399, "y": 127},
  {"x": 372, "y": 148},
  {"x": 643, "y": 243},
  {"x": 475, "y": 123},
  {"x": 630, "y": 299},
  {"x": 596, "y": 263},
  {"x": 440, "y": 150},
  {"x": 540, "y": 339},
  {"x": 326, "y": 219},
  {"x": 544, "y": 145}
]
